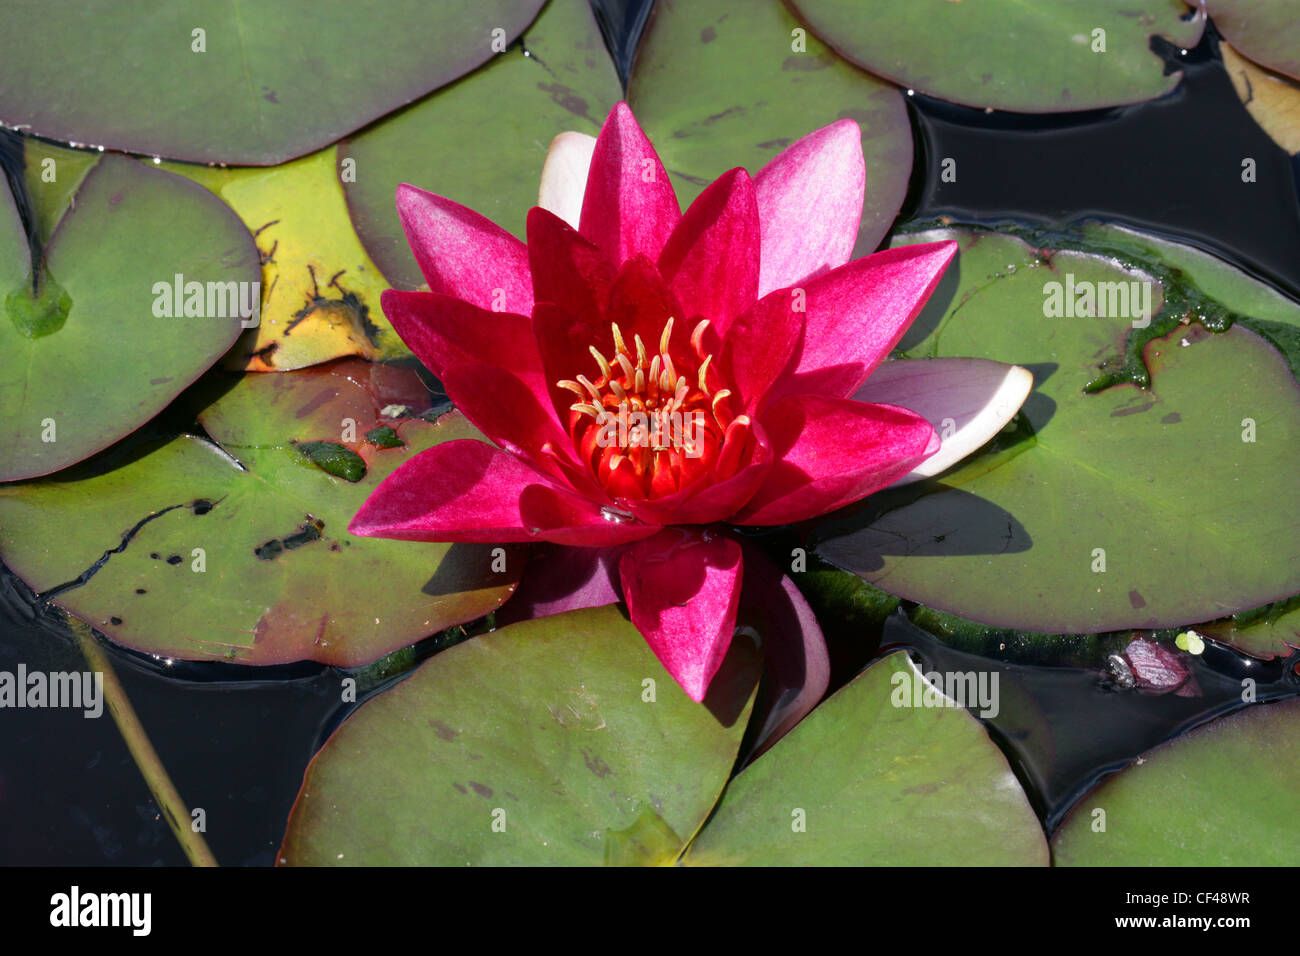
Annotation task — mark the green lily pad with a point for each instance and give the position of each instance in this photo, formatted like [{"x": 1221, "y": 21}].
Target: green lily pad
[
  {"x": 1040, "y": 57},
  {"x": 1225, "y": 794},
  {"x": 180, "y": 550},
  {"x": 554, "y": 741},
  {"x": 143, "y": 287},
  {"x": 1126, "y": 507},
  {"x": 725, "y": 83},
  {"x": 255, "y": 85},
  {"x": 482, "y": 141},
  {"x": 865, "y": 781},
  {"x": 1265, "y": 632},
  {"x": 1264, "y": 30}
]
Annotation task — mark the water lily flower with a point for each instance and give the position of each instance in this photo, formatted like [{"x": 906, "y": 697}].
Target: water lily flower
[{"x": 651, "y": 379}]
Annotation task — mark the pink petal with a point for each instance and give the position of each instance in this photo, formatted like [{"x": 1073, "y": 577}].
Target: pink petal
[
  {"x": 831, "y": 452},
  {"x": 796, "y": 664},
  {"x": 565, "y": 518},
  {"x": 857, "y": 313},
  {"x": 465, "y": 255},
  {"x": 967, "y": 400},
  {"x": 564, "y": 175},
  {"x": 559, "y": 579},
  {"x": 810, "y": 203},
  {"x": 507, "y": 411},
  {"x": 711, "y": 259},
  {"x": 463, "y": 490},
  {"x": 568, "y": 271},
  {"x": 629, "y": 206},
  {"x": 442, "y": 331},
  {"x": 758, "y": 346},
  {"x": 682, "y": 588}
]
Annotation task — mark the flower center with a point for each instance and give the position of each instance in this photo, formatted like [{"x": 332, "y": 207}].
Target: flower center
[{"x": 651, "y": 426}]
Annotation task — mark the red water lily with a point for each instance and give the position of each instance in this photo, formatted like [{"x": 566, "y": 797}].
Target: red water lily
[{"x": 651, "y": 377}]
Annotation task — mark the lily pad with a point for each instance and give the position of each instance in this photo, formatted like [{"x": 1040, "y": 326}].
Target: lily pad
[
  {"x": 482, "y": 142},
  {"x": 1273, "y": 99},
  {"x": 145, "y": 283},
  {"x": 1125, "y": 507},
  {"x": 320, "y": 290},
  {"x": 554, "y": 741},
  {"x": 1264, "y": 30},
  {"x": 723, "y": 83},
  {"x": 180, "y": 550},
  {"x": 254, "y": 85},
  {"x": 865, "y": 780},
  {"x": 1225, "y": 794},
  {"x": 1048, "y": 56}
]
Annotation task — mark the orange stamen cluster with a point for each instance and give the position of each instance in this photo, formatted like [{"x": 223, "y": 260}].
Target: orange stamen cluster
[{"x": 650, "y": 426}]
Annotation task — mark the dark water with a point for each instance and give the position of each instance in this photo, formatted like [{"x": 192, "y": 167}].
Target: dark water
[{"x": 236, "y": 740}]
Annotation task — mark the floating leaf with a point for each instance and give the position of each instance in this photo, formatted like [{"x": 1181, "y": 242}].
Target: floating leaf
[
  {"x": 179, "y": 550},
  {"x": 876, "y": 776},
  {"x": 320, "y": 290},
  {"x": 513, "y": 106},
  {"x": 1264, "y": 30},
  {"x": 383, "y": 436},
  {"x": 1272, "y": 98},
  {"x": 1048, "y": 56},
  {"x": 721, "y": 83},
  {"x": 142, "y": 287},
  {"x": 1124, "y": 507},
  {"x": 555, "y": 741},
  {"x": 1225, "y": 794},
  {"x": 254, "y": 84}
]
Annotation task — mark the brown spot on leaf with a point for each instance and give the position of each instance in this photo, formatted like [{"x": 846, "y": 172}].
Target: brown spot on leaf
[
  {"x": 1173, "y": 418},
  {"x": 480, "y": 789},
  {"x": 595, "y": 764},
  {"x": 708, "y": 35},
  {"x": 442, "y": 730},
  {"x": 1136, "y": 599}
]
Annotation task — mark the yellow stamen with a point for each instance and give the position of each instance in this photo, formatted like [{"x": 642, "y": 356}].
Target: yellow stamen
[
  {"x": 619, "y": 345},
  {"x": 600, "y": 360},
  {"x": 591, "y": 389},
  {"x": 668, "y": 330},
  {"x": 704, "y": 370}
]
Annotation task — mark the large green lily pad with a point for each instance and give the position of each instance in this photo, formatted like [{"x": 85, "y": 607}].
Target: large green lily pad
[
  {"x": 218, "y": 82},
  {"x": 555, "y": 741},
  {"x": 1226, "y": 794},
  {"x": 865, "y": 781},
  {"x": 482, "y": 142},
  {"x": 719, "y": 84},
  {"x": 1039, "y": 57},
  {"x": 105, "y": 341},
  {"x": 1124, "y": 507},
  {"x": 178, "y": 549},
  {"x": 1267, "y": 31}
]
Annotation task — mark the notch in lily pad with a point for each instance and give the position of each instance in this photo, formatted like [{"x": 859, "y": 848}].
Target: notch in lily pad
[
  {"x": 383, "y": 436},
  {"x": 334, "y": 459},
  {"x": 38, "y": 308}
]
